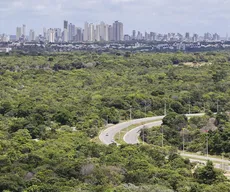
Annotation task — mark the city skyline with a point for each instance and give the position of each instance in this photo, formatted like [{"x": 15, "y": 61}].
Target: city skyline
[
  {"x": 146, "y": 15},
  {"x": 102, "y": 31}
]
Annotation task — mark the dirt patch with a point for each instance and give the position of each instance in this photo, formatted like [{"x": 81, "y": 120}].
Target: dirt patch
[{"x": 194, "y": 64}]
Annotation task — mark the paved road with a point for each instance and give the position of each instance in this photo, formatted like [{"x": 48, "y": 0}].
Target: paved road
[
  {"x": 131, "y": 137},
  {"x": 204, "y": 157},
  {"x": 107, "y": 136},
  {"x": 223, "y": 166}
]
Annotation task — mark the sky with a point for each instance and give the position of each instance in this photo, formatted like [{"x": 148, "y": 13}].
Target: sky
[{"x": 161, "y": 16}]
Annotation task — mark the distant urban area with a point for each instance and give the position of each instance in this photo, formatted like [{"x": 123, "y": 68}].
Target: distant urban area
[{"x": 104, "y": 37}]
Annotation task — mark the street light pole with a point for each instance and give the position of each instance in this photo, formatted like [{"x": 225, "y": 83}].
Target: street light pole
[
  {"x": 183, "y": 140},
  {"x": 143, "y": 136},
  {"x": 130, "y": 113},
  {"x": 217, "y": 106},
  {"x": 207, "y": 144},
  {"x": 165, "y": 109},
  {"x": 162, "y": 139}
]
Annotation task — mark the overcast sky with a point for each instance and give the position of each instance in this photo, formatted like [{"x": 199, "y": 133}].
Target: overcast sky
[{"x": 195, "y": 16}]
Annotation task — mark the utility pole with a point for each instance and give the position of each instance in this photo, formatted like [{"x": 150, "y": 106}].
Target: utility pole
[
  {"x": 217, "y": 106},
  {"x": 143, "y": 135},
  {"x": 222, "y": 163},
  {"x": 162, "y": 139},
  {"x": 130, "y": 113},
  {"x": 183, "y": 140},
  {"x": 165, "y": 109},
  {"x": 189, "y": 104},
  {"x": 145, "y": 108},
  {"x": 207, "y": 143}
]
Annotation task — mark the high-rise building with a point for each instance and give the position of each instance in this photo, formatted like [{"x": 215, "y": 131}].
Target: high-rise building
[
  {"x": 147, "y": 36},
  {"x": 118, "y": 31},
  {"x": 102, "y": 31},
  {"x": 51, "y": 35},
  {"x": 45, "y": 33},
  {"x": 32, "y": 35},
  {"x": 72, "y": 32},
  {"x": 4, "y": 38},
  {"x": 127, "y": 38},
  {"x": 79, "y": 35},
  {"x": 195, "y": 38},
  {"x": 134, "y": 35},
  {"x": 139, "y": 35},
  {"x": 106, "y": 32},
  {"x": 110, "y": 33},
  {"x": 86, "y": 32},
  {"x": 58, "y": 35},
  {"x": 24, "y": 30},
  {"x": 65, "y": 31},
  {"x": 216, "y": 37},
  {"x": 97, "y": 33},
  {"x": 207, "y": 36},
  {"x": 153, "y": 36},
  {"x": 18, "y": 33},
  {"x": 65, "y": 35},
  {"x": 65, "y": 24},
  {"x": 91, "y": 32},
  {"x": 187, "y": 36}
]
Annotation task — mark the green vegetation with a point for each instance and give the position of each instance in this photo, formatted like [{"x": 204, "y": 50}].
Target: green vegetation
[
  {"x": 51, "y": 107},
  {"x": 195, "y": 133}
]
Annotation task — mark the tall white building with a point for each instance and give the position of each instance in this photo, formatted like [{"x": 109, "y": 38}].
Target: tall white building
[
  {"x": 97, "y": 33},
  {"x": 58, "y": 35},
  {"x": 51, "y": 34},
  {"x": 65, "y": 31},
  {"x": 44, "y": 33},
  {"x": 4, "y": 38},
  {"x": 65, "y": 35},
  {"x": 102, "y": 31},
  {"x": 86, "y": 32},
  {"x": 18, "y": 33},
  {"x": 24, "y": 30},
  {"x": 72, "y": 32},
  {"x": 91, "y": 33},
  {"x": 32, "y": 35},
  {"x": 106, "y": 32},
  {"x": 110, "y": 33},
  {"x": 79, "y": 35}
]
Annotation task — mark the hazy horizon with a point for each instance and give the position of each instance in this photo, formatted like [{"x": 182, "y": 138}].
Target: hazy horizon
[{"x": 146, "y": 15}]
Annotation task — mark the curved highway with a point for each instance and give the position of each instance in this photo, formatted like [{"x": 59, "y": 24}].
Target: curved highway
[
  {"x": 131, "y": 137},
  {"x": 107, "y": 136}
]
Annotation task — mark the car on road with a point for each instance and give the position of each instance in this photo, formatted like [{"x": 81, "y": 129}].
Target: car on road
[{"x": 107, "y": 134}]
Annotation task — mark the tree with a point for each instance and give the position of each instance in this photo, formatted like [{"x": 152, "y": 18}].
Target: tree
[{"x": 208, "y": 174}]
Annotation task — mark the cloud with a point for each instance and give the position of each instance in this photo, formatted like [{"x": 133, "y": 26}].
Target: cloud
[{"x": 151, "y": 15}]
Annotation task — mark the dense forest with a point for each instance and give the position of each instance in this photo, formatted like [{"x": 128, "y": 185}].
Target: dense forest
[{"x": 53, "y": 106}]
